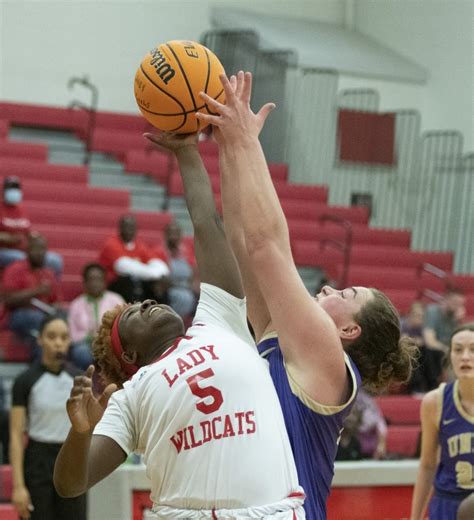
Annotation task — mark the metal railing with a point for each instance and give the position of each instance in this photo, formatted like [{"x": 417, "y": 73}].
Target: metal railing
[{"x": 90, "y": 110}]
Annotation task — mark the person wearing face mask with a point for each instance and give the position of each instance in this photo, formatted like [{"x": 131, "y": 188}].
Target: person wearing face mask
[
  {"x": 15, "y": 227},
  {"x": 38, "y": 399}
]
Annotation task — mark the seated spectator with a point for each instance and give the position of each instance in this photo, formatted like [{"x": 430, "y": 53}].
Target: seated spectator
[
  {"x": 30, "y": 289},
  {"x": 15, "y": 228},
  {"x": 132, "y": 270},
  {"x": 366, "y": 430},
  {"x": 412, "y": 325},
  {"x": 86, "y": 311},
  {"x": 441, "y": 319},
  {"x": 183, "y": 278}
]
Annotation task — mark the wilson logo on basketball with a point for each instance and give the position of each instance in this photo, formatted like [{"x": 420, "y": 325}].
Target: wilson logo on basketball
[{"x": 163, "y": 69}]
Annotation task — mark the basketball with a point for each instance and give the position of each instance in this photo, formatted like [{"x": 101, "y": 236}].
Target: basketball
[{"x": 168, "y": 82}]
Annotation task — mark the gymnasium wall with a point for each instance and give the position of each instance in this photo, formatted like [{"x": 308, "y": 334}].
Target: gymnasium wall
[
  {"x": 438, "y": 35},
  {"x": 43, "y": 43}
]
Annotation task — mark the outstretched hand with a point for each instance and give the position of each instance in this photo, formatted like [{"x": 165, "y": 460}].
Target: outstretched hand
[
  {"x": 235, "y": 120},
  {"x": 170, "y": 142},
  {"x": 85, "y": 409}
]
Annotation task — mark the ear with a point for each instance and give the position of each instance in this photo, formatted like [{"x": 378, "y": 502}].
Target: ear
[
  {"x": 130, "y": 357},
  {"x": 350, "y": 332}
]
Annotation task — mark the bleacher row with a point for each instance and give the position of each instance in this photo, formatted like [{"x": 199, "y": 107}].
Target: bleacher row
[{"x": 76, "y": 218}]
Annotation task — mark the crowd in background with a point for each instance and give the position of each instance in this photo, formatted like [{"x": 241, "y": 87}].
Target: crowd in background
[{"x": 128, "y": 269}]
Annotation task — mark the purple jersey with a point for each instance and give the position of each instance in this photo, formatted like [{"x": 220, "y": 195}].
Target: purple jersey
[
  {"x": 313, "y": 429},
  {"x": 455, "y": 473}
]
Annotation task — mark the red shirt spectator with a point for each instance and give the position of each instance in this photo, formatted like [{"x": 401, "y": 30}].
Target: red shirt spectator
[
  {"x": 20, "y": 276},
  {"x": 115, "y": 248},
  {"x": 14, "y": 224}
]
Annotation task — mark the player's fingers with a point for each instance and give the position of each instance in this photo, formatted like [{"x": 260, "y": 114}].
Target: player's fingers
[
  {"x": 90, "y": 371},
  {"x": 240, "y": 84},
  {"x": 108, "y": 391},
  {"x": 215, "y": 105},
  {"x": 246, "y": 88},
  {"x": 233, "y": 82},
  {"x": 207, "y": 118},
  {"x": 265, "y": 110},
  {"x": 229, "y": 91}
]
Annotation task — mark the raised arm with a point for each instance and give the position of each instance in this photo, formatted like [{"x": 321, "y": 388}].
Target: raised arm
[
  {"x": 85, "y": 459},
  {"x": 308, "y": 337},
  {"x": 257, "y": 310},
  {"x": 215, "y": 259}
]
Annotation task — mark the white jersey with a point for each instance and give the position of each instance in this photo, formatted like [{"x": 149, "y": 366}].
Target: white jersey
[{"x": 206, "y": 417}]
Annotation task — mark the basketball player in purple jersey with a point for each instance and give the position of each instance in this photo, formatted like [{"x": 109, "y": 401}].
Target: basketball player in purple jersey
[
  {"x": 447, "y": 441},
  {"x": 200, "y": 405},
  {"x": 319, "y": 349}
]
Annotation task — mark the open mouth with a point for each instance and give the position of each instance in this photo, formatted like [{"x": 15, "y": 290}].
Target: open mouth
[{"x": 154, "y": 309}]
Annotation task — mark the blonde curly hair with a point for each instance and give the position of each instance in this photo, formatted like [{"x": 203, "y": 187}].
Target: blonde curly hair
[{"x": 110, "y": 369}]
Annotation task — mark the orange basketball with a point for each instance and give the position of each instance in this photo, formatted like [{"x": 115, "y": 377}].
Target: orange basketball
[{"x": 168, "y": 82}]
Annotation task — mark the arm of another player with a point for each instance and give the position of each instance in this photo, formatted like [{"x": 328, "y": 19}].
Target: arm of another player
[
  {"x": 85, "y": 459},
  {"x": 257, "y": 310},
  {"x": 215, "y": 259},
  {"x": 308, "y": 337},
  {"x": 429, "y": 454}
]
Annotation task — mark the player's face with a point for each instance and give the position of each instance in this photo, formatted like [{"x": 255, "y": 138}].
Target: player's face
[
  {"x": 343, "y": 304},
  {"x": 462, "y": 354},
  {"x": 144, "y": 326},
  {"x": 54, "y": 342}
]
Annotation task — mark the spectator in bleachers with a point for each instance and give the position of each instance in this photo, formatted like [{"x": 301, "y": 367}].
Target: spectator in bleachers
[
  {"x": 440, "y": 321},
  {"x": 38, "y": 406},
  {"x": 15, "y": 228},
  {"x": 447, "y": 425},
  {"x": 366, "y": 424},
  {"x": 4, "y": 437},
  {"x": 131, "y": 268},
  {"x": 412, "y": 325},
  {"x": 86, "y": 311},
  {"x": 183, "y": 280},
  {"x": 30, "y": 290}
]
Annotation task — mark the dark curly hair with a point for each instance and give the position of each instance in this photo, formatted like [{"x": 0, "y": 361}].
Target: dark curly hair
[
  {"x": 380, "y": 354},
  {"x": 110, "y": 369}
]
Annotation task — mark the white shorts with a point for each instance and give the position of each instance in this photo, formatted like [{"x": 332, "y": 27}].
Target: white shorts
[{"x": 290, "y": 508}]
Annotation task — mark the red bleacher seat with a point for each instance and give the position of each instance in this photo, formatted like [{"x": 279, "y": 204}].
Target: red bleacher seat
[
  {"x": 8, "y": 512},
  {"x": 400, "y": 409},
  {"x": 4, "y": 129},
  {"x": 117, "y": 121},
  {"x": 64, "y": 192},
  {"x": 117, "y": 142},
  {"x": 383, "y": 277},
  {"x": 402, "y": 299},
  {"x": 43, "y": 172},
  {"x": 23, "y": 150},
  {"x": 208, "y": 147},
  {"x": 43, "y": 116},
  {"x": 12, "y": 349},
  {"x": 155, "y": 163},
  {"x": 88, "y": 215},
  {"x": 5, "y": 483},
  {"x": 403, "y": 440},
  {"x": 309, "y": 231},
  {"x": 82, "y": 237},
  {"x": 71, "y": 286}
]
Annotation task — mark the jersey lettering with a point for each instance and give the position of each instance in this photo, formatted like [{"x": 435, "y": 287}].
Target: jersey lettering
[
  {"x": 189, "y": 360},
  {"x": 205, "y": 392},
  {"x": 217, "y": 428},
  {"x": 465, "y": 475}
]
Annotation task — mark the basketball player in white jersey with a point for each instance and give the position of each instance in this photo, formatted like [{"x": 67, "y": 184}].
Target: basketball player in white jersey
[{"x": 200, "y": 405}]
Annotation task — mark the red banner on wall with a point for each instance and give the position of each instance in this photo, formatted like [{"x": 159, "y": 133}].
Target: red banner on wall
[{"x": 366, "y": 137}]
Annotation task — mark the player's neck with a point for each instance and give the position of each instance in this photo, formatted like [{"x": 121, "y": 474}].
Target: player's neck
[
  {"x": 466, "y": 391},
  {"x": 161, "y": 350}
]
